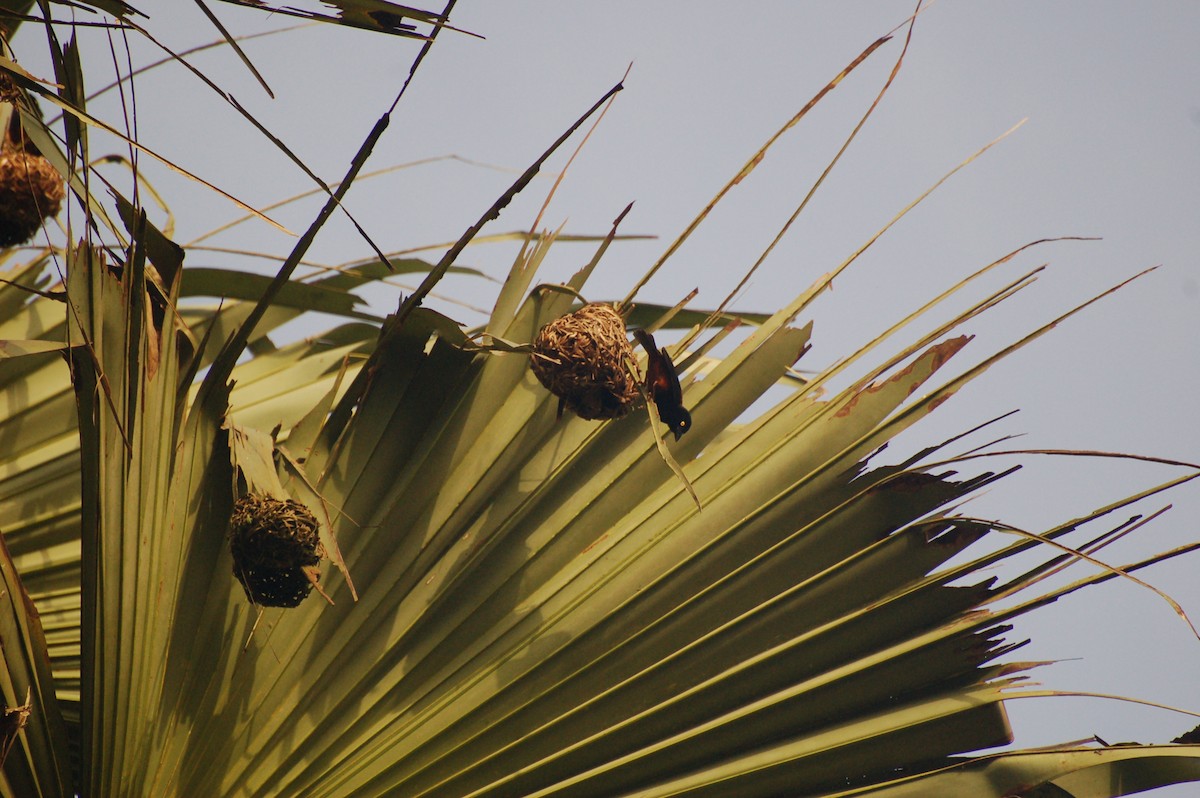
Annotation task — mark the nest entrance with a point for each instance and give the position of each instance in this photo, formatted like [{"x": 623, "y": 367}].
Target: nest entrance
[
  {"x": 276, "y": 549},
  {"x": 581, "y": 357}
]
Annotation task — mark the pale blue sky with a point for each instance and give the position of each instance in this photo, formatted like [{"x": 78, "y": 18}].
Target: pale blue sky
[{"x": 1111, "y": 149}]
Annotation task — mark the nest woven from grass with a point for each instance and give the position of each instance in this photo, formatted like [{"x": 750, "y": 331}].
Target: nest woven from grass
[
  {"x": 580, "y": 358},
  {"x": 31, "y": 191},
  {"x": 276, "y": 549}
]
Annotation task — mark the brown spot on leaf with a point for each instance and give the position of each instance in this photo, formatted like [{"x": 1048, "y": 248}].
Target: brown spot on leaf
[
  {"x": 937, "y": 356},
  {"x": 936, "y": 401},
  {"x": 595, "y": 543}
]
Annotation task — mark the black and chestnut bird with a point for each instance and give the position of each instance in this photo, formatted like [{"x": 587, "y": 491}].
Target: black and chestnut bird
[{"x": 662, "y": 384}]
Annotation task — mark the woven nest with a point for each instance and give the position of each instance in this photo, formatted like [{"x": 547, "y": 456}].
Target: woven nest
[
  {"x": 580, "y": 358},
  {"x": 31, "y": 190},
  {"x": 275, "y": 549}
]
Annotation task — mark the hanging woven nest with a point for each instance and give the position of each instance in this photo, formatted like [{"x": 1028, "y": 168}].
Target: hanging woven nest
[
  {"x": 580, "y": 358},
  {"x": 31, "y": 191},
  {"x": 275, "y": 549}
]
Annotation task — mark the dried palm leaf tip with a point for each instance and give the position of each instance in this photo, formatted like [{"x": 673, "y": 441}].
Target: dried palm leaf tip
[
  {"x": 31, "y": 190},
  {"x": 275, "y": 549},
  {"x": 580, "y": 358}
]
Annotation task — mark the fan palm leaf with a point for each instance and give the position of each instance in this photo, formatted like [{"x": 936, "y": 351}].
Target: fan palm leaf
[{"x": 517, "y": 604}]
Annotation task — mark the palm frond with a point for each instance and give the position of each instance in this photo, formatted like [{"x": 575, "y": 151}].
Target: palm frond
[{"x": 518, "y": 603}]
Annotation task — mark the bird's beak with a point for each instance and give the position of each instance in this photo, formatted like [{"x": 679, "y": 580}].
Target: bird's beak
[{"x": 678, "y": 433}]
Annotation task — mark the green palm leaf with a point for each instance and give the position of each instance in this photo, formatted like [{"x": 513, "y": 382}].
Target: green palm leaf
[
  {"x": 519, "y": 604},
  {"x": 1061, "y": 773},
  {"x": 33, "y": 736}
]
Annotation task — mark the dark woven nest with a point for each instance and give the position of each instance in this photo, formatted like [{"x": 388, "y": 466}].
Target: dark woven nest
[
  {"x": 31, "y": 190},
  {"x": 581, "y": 358},
  {"x": 275, "y": 549}
]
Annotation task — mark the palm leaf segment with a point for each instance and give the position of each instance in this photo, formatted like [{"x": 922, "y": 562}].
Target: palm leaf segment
[{"x": 542, "y": 610}]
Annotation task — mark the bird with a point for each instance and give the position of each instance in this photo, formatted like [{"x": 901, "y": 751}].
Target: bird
[{"x": 662, "y": 384}]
